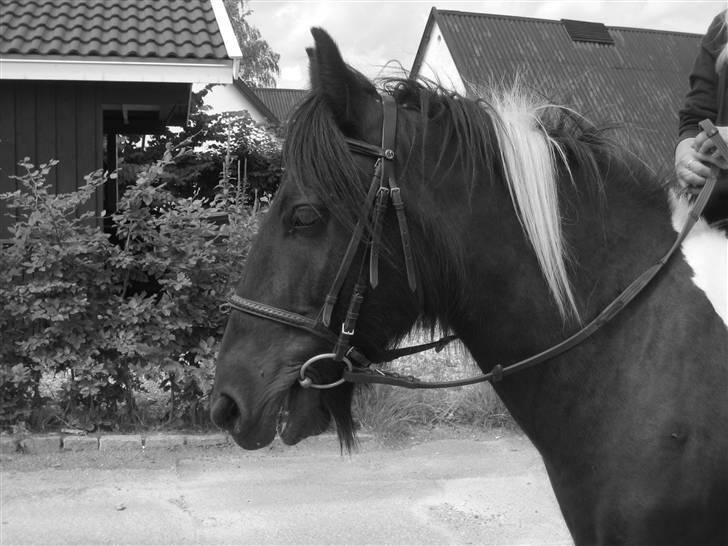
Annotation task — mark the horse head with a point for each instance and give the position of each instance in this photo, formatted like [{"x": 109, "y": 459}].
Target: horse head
[{"x": 295, "y": 259}]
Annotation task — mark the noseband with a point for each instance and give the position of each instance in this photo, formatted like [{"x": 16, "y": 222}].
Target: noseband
[{"x": 383, "y": 189}]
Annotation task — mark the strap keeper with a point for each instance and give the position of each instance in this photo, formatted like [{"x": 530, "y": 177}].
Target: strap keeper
[
  {"x": 496, "y": 373},
  {"x": 396, "y": 195},
  {"x": 328, "y": 309}
]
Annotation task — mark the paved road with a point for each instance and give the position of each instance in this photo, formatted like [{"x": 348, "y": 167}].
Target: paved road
[{"x": 451, "y": 491}]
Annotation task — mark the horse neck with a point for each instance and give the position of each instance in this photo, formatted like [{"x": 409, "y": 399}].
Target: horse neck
[{"x": 507, "y": 312}]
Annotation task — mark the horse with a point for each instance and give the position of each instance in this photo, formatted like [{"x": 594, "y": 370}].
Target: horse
[{"x": 510, "y": 222}]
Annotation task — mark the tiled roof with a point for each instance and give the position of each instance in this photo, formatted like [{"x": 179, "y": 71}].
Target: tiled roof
[
  {"x": 280, "y": 101},
  {"x": 272, "y": 103},
  {"x": 111, "y": 28},
  {"x": 639, "y": 81}
]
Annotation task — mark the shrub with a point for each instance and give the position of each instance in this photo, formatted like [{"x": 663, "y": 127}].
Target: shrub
[{"x": 107, "y": 318}]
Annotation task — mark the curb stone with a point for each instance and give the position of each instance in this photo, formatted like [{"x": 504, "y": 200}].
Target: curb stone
[
  {"x": 156, "y": 441},
  {"x": 80, "y": 443},
  {"x": 120, "y": 442},
  {"x": 41, "y": 444},
  {"x": 54, "y": 443},
  {"x": 207, "y": 440}
]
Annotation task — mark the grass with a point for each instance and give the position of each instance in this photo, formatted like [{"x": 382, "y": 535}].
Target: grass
[{"x": 394, "y": 413}]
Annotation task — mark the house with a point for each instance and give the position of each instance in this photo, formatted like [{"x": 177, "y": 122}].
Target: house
[
  {"x": 75, "y": 73},
  {"x": 266, "y": 105},
  {"x": 631, "y": 76}
]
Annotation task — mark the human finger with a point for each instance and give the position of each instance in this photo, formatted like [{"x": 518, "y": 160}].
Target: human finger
[
  {"x": 711, "y": 158},
  {"x": 692, "y": 173},
  {"x": 717, "y": 159},
  {"x": 699, "y": 140}
]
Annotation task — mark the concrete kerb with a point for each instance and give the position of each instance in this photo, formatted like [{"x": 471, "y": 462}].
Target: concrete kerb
[{"x": 35, "y": 444}]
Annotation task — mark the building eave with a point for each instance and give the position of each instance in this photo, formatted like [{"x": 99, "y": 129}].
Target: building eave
[
  {"x": 255, "y": 100},
  {"x": 419, "y": 57},
  {"x": 226, "y": 29},
  {"x": 116, "y": 69}
]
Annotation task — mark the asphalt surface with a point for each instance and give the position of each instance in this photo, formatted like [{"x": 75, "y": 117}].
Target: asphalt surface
[{"x": 463, "y": 490}]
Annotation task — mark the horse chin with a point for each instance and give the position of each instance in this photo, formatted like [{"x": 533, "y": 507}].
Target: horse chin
[
  {"x": 296, "y": 417},
  {"x": 301, "y": 415}
]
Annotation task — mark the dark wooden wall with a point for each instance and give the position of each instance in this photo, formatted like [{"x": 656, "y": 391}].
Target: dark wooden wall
[{"x": 50, "y": 120}]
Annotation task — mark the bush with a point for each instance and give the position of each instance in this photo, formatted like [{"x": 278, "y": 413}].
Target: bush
[{"x": 104, "y": 319}]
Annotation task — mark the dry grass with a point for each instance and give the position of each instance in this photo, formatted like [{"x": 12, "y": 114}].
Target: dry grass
[{"x": 393, "y": 413}]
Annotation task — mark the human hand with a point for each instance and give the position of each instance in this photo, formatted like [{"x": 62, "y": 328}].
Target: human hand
[
  {"x": 692, "y": 168},
  {"x": 709, "y": 151}
]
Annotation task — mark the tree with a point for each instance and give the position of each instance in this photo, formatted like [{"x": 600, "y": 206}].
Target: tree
[
  {"x": 259, "y": 65},
  {"x": 211, "y": 138}
]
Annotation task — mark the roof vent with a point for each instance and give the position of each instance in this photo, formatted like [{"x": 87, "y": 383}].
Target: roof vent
[{"x": 583, "y": 31}]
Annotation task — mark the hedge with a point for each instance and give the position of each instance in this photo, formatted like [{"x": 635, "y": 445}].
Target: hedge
[{"x": 92, "y": 322}]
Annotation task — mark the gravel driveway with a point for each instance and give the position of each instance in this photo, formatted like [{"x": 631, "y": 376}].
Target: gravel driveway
[{"x": 489, "y": 489}]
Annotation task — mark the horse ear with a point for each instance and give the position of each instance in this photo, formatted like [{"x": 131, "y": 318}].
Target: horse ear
[
  {"x": 344, "y": 90},
  {"x": 312, "y": 68}
]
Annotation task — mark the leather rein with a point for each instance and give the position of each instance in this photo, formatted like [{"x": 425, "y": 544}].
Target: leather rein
[{"x": 383, "y": 189}]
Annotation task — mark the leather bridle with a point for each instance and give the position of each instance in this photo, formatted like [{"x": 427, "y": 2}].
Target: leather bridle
[{"x": 383, "y": 189}]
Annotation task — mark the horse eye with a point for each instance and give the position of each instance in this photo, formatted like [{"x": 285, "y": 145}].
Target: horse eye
[{"x": 305, "y": 216}]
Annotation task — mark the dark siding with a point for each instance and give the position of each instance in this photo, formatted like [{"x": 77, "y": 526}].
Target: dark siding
[
  {"x": 88, "y": 137},
  {"x": 7, "y": 150},
  {"x": 49, "y": 120},
  {"x": 25, "y": 124},
  {"x": 66, "y": 140},
  {"x": 46, "y": 141}
]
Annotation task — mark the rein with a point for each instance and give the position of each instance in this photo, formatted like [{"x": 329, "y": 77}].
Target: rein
[{"x": 383, "y": 188}]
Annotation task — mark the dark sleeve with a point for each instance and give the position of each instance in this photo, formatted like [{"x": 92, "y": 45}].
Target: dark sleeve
[{"x": 701, "y": 100}]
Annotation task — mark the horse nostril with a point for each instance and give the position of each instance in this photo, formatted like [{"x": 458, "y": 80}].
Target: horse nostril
[{"x": 224, "y": 412}]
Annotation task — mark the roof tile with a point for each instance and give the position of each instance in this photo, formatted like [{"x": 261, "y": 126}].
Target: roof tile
[
  {"x": 281, "y": 102},
  {"x": 127, "y": 28}
]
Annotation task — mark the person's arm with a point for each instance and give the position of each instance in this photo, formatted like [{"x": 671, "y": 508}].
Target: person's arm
[
  {"x": 701, "y": 101},
  {"x": 692, "y": 156}
]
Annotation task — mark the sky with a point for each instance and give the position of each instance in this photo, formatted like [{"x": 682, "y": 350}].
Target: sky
[{"x": 373, "y": 34}]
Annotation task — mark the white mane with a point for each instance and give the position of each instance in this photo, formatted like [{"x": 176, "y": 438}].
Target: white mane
[{"x": 531, "y": 158}]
